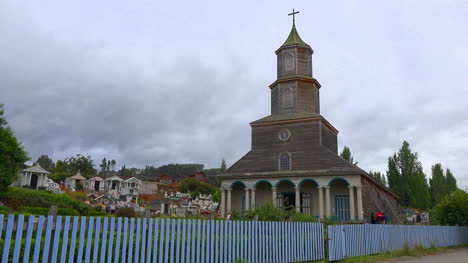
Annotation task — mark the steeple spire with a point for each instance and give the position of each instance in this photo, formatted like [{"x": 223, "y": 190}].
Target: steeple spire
[
  {"x": 294, "y": 14},
  {"x": 294, "y": 38}
]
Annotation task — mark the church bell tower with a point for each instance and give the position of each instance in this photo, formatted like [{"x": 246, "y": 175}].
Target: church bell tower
[{"x": 295, "y": 89}]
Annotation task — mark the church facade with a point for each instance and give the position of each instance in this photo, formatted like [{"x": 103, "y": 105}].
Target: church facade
[{"x": 294, "y": 161}]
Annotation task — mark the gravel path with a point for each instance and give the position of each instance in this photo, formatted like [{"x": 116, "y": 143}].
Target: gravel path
[{"x": 451, "y": 256}]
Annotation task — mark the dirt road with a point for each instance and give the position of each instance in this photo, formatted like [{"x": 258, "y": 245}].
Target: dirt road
[{"x": 451, "y": 256}]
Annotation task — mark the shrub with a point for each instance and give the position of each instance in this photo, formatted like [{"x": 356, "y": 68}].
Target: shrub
[
  {"x": 268, "y": 212},
  {"x": 300, "y": 217},
  {"x": 79, "y": 186},
  {"x": 4, "y": 210},
  {"x": 126, "y": 212},
  {"x": 17, "y": 197},
  {"x": 67, "y": 212},
  {"x": 452, "y": 210},
  {"x": 32, "y": 210},
  {"x": 80, "y": 196}
]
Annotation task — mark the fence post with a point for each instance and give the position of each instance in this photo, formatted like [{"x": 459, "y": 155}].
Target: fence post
[{"x": 52, "y": 212}]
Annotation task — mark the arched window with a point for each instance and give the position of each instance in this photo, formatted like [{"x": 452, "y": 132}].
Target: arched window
[
  {"x": 285, "y": 162},
  {"x": 287, "y": 98},
  {"x": 289, "y": 62}
]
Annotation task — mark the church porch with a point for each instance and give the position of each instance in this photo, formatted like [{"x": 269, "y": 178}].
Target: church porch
[{"x": 337, "y": 197}]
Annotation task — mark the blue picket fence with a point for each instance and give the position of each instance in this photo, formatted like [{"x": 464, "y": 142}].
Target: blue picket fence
[
  {"x": 356, "y": 240},
  {"x": 95, "y": 239}
]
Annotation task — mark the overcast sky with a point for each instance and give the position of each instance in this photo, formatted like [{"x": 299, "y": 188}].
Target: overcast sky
[{"x": 157, "y": 82}]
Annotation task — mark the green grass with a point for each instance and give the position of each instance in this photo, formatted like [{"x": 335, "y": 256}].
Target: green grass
[{"x": 418, "y": 251}]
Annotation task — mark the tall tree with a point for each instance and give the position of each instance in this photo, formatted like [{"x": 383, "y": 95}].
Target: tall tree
[
  {"x": 346, "y": 154},
  {"x": 379, "y": 177},
  {"x": 438, "y": 184},
  {"x": 112, "y": 164},
  {"x": 103, "y": 165},
  {"x": 451, "y": 182},
  {"x": 223, "y": 166},
  {"x": 45, "y": 162},
  {"x": 81, "y": 163},
  {"x": 406, "y": 178},
  {"x": 12, "y": 154}
]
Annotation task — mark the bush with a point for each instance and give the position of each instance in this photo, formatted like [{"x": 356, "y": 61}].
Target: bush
[
  {"x": 32, "y": 210},
  {"x": 126, "y": 212},
  {"x": 268, "y": 212},
  {"x": 452, "y": 210},
  {"x": 67, "y": 212},
  {"x": 80, "y": 196},
  {"x": 4, "y": 210},
  {"x": 79, "y": 186},
  {"x": 18, "y": 197},
  {"x": 97, "y": 213}
]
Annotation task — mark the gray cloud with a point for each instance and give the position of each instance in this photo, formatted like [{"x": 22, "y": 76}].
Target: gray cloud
[{"x": 144, "y": 85}]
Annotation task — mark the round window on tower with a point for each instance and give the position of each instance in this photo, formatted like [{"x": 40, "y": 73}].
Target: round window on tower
[{"x": 284, "y": 135}]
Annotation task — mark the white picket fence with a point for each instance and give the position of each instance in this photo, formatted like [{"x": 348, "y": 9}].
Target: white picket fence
[
  {"x": 95, "y": 239},
  {"x": 356, "y": 240}
]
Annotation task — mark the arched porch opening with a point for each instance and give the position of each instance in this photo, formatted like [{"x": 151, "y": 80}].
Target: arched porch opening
[
  {"x": 286, "y": 195},
  {"x": 309, "y": 197},
  {"x": 340, "y": 203},
  {"x": 263, "y": 193},
  {"x": 238, "y": 197}
]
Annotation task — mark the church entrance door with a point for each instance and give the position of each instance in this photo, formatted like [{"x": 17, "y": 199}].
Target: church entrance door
[
  {"x": 306, "y": 203},
  {"x": 287, "y": 200},
  {"x": 342, "y": 207}
]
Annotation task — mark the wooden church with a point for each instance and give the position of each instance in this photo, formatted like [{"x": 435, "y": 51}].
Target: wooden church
[{"x": 294, "y": 161}]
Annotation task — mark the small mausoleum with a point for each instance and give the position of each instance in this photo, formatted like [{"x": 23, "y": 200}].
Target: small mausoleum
[{"x": 34, "y": 177}]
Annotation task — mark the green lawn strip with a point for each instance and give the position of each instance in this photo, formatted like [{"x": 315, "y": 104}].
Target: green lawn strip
[{"x": 418, "y": 251}]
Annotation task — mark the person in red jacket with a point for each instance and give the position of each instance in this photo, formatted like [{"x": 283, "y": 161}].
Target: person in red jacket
[{"x": 379, "y": 217}]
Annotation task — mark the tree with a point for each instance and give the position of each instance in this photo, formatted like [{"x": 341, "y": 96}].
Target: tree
[
  {"x": 452, "y": 210},
  {"x": 379, "y": 177},
  {"x": 451, "y": 181},
  {"x": 45, "y": 162},
  {"x": 346, "y": 154},
  {"x": 223, "y": 166},
  {"x": 12, "y": 154},
  {"x": 438, "y": 184},
  {"x": 406, "y": 178},
  {"x": 195, "y": 187},
  {"x": 112, "y": 164},
  {"x": 83, "y": 164},
  {"x": 103, "y": 165}
]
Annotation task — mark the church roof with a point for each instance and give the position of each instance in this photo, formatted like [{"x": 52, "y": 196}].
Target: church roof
[
  {"x": 78, "y": 176},
  {"x": 294, "y": 39},
  {"x": 290, "y": 116},
  {"x": 36, "y": 169}
]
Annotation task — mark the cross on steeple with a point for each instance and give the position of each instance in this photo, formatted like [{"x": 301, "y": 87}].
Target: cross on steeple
[{"x": 294, "y": 18}]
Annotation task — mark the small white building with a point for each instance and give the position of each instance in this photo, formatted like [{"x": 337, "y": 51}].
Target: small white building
[
  {"x": 113, "y": 183},
  {"x": 33, "y": 177},
  {"x": 72, "y": 181},
  {"x": 130, "y": 189},
  {"x": 95, "y": 183}
]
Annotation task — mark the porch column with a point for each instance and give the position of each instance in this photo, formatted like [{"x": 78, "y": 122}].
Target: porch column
[
  {"x": 247, "y": 199},
  {"x": 327, "y": 201},
  {"x": 351, "y": 203},
  {"x": 298, "y": 199},
  {"x": 359, "y": 203},
  {"x": 229, "y": 200},
  {"x": 273, "y": 190},
  {"x": 223, "y": 203},
  {"x": 320, "y": 199},
  {"x": 252, "y": 199}
]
